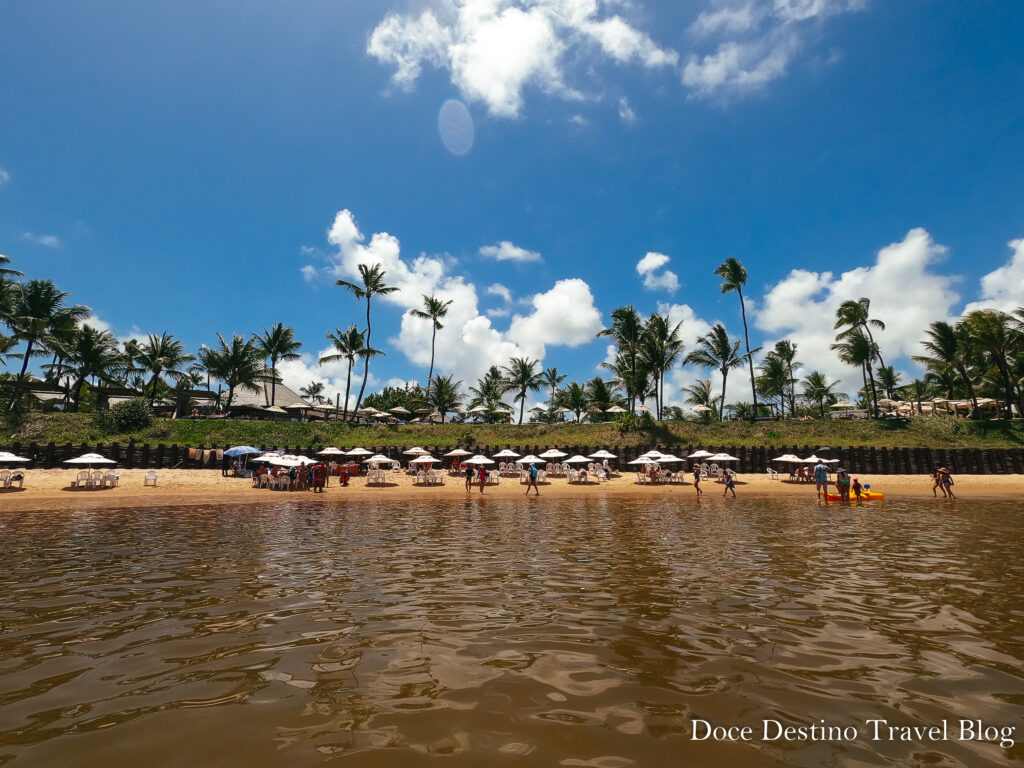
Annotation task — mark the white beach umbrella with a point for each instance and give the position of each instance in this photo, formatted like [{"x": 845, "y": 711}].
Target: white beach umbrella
[
  {"x": 603, "y": 454},
  {"x": 478, "y": 409},
  {"x": 812, "y": 459},
  {"x": 577, "y": 459},
  {"x": 642, "y": 408},
  {"x": 722, "y": 457},
  {"x": 531, "y": 459},
  {"x": 6, "y": 456},
  {"x": 643, "y": 460},
  {"x": 422, "y": 410},
  {"x": 563, "y": 409},
  {"x": 503, "y": 410},
  {"x": 399, "y": 410},
  {"x": 843, "y": 404},
  {"x": 616, "y": 409},
  {"x": 458, "y": 452},
  {"x": 358, "y": 452},
  {"x": 701, "y": 454},
  {"x": 788, "y": 458},
  {"x": 652, "y": 454},
  {"x": 416, "y": 451},
  {"x": 478, "y": 459},
  {"x": 90, "y": 459},
  {"x": 553, "y": 453},
  {"x": 506, "y": 454},
  {"x": 701, "y": 408},
  {"x": 332, "y": 451},
  {"x": 425, "y": 460},
  {"x": 668, "y": 459},
  {"x": 379, "y": 458}
]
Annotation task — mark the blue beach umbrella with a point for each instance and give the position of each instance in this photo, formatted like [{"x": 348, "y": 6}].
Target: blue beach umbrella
[{"x": 241, "y": 450}]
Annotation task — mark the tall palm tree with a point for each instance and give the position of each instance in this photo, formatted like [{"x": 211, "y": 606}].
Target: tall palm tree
[
  {"x": 552, "y": 378},
  {"x": 994, "y": 337},
  {"x": 734, "y": 277},
  {"x": 160, "y": 355},
  {"x": 522, "y": 376},
  {"x": 37, "y": 312},
  {"x": 7, "y": 271},
  {"x": 489, "y": 389},
  {"x": 604, "y": 394},
  {"x": 716, "y": 351},
  {"x": 818, "y": 389},
  {"x": 773, "y": 379},
  {"x": 661, "y": 347},
  {"x": 949, "y": 347},
  {"x": 626, "y": 329},
  {"x": 349, "y": 345},
  {"x": 435, "y": 311},
  {"x": 785, "y": 350},
  {"x": 7, "y": 343},
  {"x": 857, "y": 349},
  {"x": 277, "y": 344},
  {"x": 372, "y": 285},
  {"x": 93, "y": 353},
  {"x": 237, "y": 364},
  {"x": 889, "y": 380},
  {"x": 574, "y": 397},
  {"x": 443, "y": 395},
  {"x": 853, "y": 315}
]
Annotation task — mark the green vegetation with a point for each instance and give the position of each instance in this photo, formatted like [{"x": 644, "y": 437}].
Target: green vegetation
[{"x": 935, "y": 431}]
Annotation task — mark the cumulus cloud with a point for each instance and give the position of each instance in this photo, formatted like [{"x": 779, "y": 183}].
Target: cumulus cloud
[
  {"x": 755, "y": 42},
  {"x": 1003, "y": 288},
  {"x": 49, "y": 241},
  {"x": 468, "y": 343},
  {"x": 626, "y": 113},
  {"x": 648, "y": 267},
  {"x": 494, "y": 49},
  {"x": 906, "y": 293},
  {"x": 506, "y": 251},
  {"x": 4, "y": 176}
]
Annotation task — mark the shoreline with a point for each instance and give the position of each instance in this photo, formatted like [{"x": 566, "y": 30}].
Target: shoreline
[{"x": 49, "y": 489}]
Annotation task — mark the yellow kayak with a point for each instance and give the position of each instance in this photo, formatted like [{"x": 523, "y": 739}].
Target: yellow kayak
[{"x": 864, "y": 496}]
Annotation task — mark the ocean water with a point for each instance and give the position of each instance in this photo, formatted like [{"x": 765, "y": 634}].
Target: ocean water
[{"x": 485, "y": 632}]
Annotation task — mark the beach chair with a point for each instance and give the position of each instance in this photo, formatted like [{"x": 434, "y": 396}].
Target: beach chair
[
  {"x": 110, "y": 479},
  {"x": 542, "y": 475},
  {"x": 16, "y": 476},
  {"x": 5, "y": 478},
  {"x": 602, "y": 476},
  {"x": 149, "y": 479},
  {"x": 772, "y": 474},
  {"x": 704, "y": 469}
]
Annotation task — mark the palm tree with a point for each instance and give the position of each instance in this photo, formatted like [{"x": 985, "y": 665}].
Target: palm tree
[
  {"x": 785, "y": 350},
  {"x": 626, "y": 330},
  {"x": 661, "y": 348},
  {"x": 773, "y": 379},
  {"x": 818, "y": 389},
  {"x": 889, "y": 380},
  {"x": 856, "y": 348},
  {"x": 7, "y": 271},
  {"x": 160, "y": 355},
  {"x": 701, "y": 394},
  {"x": 994, "y": 337},
  {"x": 489, "y": 389},
  {"x": 37, "y": 312},
  {"x": 237, "y": 364},
  {"x": 93, "y": 353},
  {"x": 734, "y": 277},
  {"x": 949, "y": 347},
  {"x": 603, "y": 394},
  {"x": 349, "y": 345},
  {"x": 443, "y": 395},
  {"x": 521, "y": 375},
  {"x": 853, "y": 315},
  {"x": 313, "y": 392},
  {"x": 7, "y": 343},
  {"x": 574, "y": 397},
  {"x": 433, "y": 310},
  {"x": 917, "y": 390},
  {"x": 278, "y": 344},
  {"x": 716, "y": 351},
  {"x": 373, "y": 285},
  {"x": 552, "y": 378}
]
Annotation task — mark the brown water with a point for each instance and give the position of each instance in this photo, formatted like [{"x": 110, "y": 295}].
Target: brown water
[{"x": 492, "y": 632}]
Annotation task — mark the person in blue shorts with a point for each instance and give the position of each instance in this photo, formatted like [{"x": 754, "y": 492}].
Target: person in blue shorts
[{"x": 730, "y": 483}]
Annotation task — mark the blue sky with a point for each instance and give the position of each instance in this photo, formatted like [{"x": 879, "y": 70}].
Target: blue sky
[{"x": 180, "y": 167}]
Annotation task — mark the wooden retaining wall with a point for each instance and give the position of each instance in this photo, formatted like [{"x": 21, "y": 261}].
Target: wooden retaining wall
[{"x": 752, "y": 459}]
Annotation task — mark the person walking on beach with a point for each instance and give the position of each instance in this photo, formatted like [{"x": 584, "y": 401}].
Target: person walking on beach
[
  {"x": 937, "y": 484},
  {"x": 821, "y": 479},
  {"x": 483, "y": 478},
  {"x": 696, "y": 482},
  {"x": 469, "y": 478},
  {"x": 947, "y": 483},
  {"x": 531, "y": 481},
  {"x": 730, "y": 483}
]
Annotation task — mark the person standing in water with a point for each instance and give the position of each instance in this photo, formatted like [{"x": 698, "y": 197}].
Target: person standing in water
[
  {"x": 730, "y": 483},
  {"x": 483, "y": 478},
  {"x": 947, "y": 482},
  {"x": 821, "y": 480},
  {"x": 469, "y": 478},
  {"x": 696, "y": 481},
  {"x": 843, "y": 484},
  {"x": 532, "y": 480}
]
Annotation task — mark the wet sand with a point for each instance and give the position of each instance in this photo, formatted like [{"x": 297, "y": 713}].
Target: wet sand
[{"x": 50, "y": 489}]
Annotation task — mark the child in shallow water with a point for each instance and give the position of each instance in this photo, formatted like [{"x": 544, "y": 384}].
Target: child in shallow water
[{"x": 857, "y": 488}]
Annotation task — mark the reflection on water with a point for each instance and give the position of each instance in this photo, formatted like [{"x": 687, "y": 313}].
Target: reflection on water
[{"x": 505, "y": 633}]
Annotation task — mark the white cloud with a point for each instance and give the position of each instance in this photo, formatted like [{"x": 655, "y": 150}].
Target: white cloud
[
  {"x": 468, "y": 343},
  {"x": 4, "y": 176},
  {"x": 626, "y": 112},
  {"x": 905, "y": 291},
  {"x": 309, "y": 273},
  {"x": 49, "y": 241},
  {"x": 648, "y": 267},
  {"x": 506, "y": 251},
  {"x": 755, "y": 42},
  {"x": 494, "y": 49},
  {"x": 497, "y": 289},
  {"x": 1003, "y": 288}
]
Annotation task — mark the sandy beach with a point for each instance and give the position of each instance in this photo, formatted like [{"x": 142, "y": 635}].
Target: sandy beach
[{"x": 51, "y": 489}]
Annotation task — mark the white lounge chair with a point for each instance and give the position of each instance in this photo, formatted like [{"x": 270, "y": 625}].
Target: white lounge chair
[
  {"x": 772, "y": 474},
  {"x": 111, "y": 479},
  {"x": 5, "y": 477},
  {"x": 149, "y": 479}
]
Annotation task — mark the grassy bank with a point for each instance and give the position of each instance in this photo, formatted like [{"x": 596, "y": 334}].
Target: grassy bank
[{"x": 934, "y": 432}]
